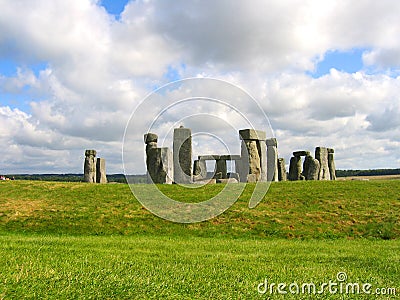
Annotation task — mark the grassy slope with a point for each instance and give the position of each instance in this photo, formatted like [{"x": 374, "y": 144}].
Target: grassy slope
[
  {"x": 143, "y": 256},
  {"x": 290, "y": 209}
]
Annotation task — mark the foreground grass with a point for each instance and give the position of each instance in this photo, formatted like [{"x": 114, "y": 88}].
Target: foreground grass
[
  {"x": 312, "y": 209},
  {"x": 157, "y": 267}
]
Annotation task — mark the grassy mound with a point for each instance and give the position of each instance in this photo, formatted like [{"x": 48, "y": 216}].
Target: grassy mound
[{"x": 312, "y": 209}]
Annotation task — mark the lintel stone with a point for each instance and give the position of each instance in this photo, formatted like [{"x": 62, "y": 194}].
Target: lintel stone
[
  {"x": 301, "y": 153},
  {"x": 252, "y": 134}
]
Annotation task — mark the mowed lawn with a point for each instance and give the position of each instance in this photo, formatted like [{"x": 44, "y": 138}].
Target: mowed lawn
[{"x": 76, "y": 240}]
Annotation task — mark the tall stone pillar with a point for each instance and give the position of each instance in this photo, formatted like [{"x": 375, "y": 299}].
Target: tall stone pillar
[
  {"x": 272, "y": 159},
  {"x": 310, "y": 168},
  {"x": 182, "y": 149},
  {"x": 101, "y": 176},
  {"x": 295, "y": 168},
  {"x": 321, "y": 154},
  {"x": 89, "y": 168},
  {"x": 158, "y": 161},
  {"x": 254, "y": 149},
  {"x": 281, "y": 169},
  {"x": 331, "y": 164}
]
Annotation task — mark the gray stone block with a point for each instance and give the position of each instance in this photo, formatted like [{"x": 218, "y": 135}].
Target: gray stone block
[
  {"x": 301, "y": 153},
  {"x": 281, "y": 169},
  {"x": 295, "y": 168},
  {"x": 272, "y": 142},
  {"x": 272, "y": 162},
  {"x": 182, "y": 151},
  {"x": 89, "y": 167},
  {"x": 321, "y": 154},
  {"x": 101, "y": 176},
  {"x": 331, "y": 165},
  {"x": 252, "y": 134},
  {"x": 150, "y": 137}
]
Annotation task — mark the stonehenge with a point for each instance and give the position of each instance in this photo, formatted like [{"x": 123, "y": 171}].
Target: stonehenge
[
  {"x": 94, "y": 170},
  {"x": 322, "y": 167},
  {"x": 254, "y": 149},
  {"x": 258, "y": 161}
]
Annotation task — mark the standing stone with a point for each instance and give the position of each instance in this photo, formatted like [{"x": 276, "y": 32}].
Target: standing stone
[
  {"x": 281, "y": 169},
  {"x": 101, "y": 171},
  {"x": 331, "y": 164},
  {"x": 272, "y": 159},
  {"x": 220, "y": 167},
  {"x": 310, "y": 168},
  {"x": 253, "y": 153},
  {"x": 158, "y": 161},
  {"x": 182, "y": 148},
  {"x": 295, "y": 168},
  {"x": 89, "y": 168},
  {"x": 321, "y": 154},
  {"x": 199, "y": 169},
  {"x": 254, "y": 158}
]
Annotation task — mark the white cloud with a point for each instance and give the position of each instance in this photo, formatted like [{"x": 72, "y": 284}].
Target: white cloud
[{"x": 98, "y": 69}]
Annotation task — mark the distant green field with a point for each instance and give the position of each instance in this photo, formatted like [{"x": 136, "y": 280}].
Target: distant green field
[
  {"x": 61, "y": 240},
  {"x": 311, "y": 209}
]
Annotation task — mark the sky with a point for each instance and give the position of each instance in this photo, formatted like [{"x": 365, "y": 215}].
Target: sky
[{"x": 72, "y": 73}]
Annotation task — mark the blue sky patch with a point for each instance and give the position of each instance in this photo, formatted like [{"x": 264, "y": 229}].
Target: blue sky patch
[
  {"x": 114, "y": 7},
  {"x": 345, "y": 61}
]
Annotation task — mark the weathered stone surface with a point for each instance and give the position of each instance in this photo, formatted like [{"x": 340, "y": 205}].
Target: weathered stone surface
[
  {"x": 182, "y": 148},
  {"x": 242, "y": 165},
  {"x": 150, "y": 137},
  {"x": 331, "y": 150},
  {"x": 234, "y": 175},
  {"x": 281, "y": 169},
  {"x": 89, "y": 168},
  {"x": 310, "y": 168},
  {"x": 331, "y": 165},
  {"x": 101, "y": 170},
  {"x": 321, "y": 154},
  {"x": 220, "y": 167},
  {"x": 254, "y": 158},
  {"x": 252, "y": 134},
  {"x": 227, "y": 180},
  {"x": 301, "y": 153},
  {"x": 253, "y": 154},
  {"x": 262, "y": 152},
  {"x": 251, "y": 178},
  {"x": 199, "y": 169},
  {"x": 272, "y": 160},
  {"x": 159, "y": 165},
  {"x": 272, "y": 142},
  {"x": 295, "y": 168}
]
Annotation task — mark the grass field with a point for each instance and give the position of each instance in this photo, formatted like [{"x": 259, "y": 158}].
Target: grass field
[{"x": 75, "y": 240}]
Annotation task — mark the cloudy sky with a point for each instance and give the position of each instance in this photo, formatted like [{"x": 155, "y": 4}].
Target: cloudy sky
[{"x": 326, "y": 73}]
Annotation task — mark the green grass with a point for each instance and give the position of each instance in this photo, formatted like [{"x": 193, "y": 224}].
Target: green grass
[
  {"x": 157, "y": 267},
  {"x": 341, "y": 209},
  {"x": 75, "y": 240}
]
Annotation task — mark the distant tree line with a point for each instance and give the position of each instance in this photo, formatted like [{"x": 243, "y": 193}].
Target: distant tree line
[
  {"x": 77, "y": 177},
  {"x": 375, "y": 172},
  {"x": 143, "y": 178}
]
